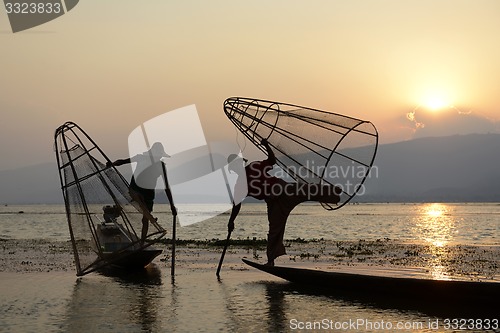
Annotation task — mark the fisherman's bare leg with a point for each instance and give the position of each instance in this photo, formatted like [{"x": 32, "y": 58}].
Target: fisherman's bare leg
[
  {"x": 277, "y": 220},
  {"x": 278, "y": 211},
  {"x": 146, "y": 214},
  {"x": 280, "y": 207}
]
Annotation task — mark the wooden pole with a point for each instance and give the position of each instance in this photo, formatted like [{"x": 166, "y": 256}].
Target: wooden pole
[
  {"x": 174, "y": 220},
  {"x": 172, "y": 267},
  {"x": 223, "y": 254}
]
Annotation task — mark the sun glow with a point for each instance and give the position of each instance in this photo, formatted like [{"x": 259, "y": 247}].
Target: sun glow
[{"x": 435, "y": 103}]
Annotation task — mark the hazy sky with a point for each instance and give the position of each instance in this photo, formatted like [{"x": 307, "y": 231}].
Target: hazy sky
[{"x": 111, "y": 65}]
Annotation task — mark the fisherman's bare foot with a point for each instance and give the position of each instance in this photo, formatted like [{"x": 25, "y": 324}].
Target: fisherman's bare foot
[{"x": 269, "y": 263}]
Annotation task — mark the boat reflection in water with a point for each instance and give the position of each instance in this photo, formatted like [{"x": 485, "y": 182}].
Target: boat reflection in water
[{"x": 114, "y": 300}]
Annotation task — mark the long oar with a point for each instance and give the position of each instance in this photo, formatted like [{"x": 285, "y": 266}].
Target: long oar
[
  {"x": 223, "y": 254},
  {"x": 172, "y": 267}
]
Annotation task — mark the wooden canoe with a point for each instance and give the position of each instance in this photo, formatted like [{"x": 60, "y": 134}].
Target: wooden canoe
[{"x": 447, "y": 296}]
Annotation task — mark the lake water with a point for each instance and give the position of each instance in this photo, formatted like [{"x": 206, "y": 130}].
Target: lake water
[
  {"x": 244, "y": 300},
  {"x": 471, "y": 223}
]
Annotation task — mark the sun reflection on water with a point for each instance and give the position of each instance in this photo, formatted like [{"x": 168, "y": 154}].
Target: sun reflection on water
[{"x": 436, "y": 226}]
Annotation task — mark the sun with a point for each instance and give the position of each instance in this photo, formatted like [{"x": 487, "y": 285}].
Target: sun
[{"x": 435, "y": 103}]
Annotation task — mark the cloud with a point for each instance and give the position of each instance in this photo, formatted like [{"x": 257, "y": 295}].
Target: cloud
[
  {"x": 411, "y": 117},
  {"x": 450, "y": 121}
]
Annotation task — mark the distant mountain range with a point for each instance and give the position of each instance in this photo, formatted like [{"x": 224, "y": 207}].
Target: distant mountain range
[{"x": 461, "y": 168}]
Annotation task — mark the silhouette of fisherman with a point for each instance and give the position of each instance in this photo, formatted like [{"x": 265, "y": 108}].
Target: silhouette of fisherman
[
  {"x": 148, "y": 169},
  {"x": 280, "y": 196}
]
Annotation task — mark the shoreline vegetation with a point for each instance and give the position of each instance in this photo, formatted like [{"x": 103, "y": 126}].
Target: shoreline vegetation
[{"x": 450, "y": 261}]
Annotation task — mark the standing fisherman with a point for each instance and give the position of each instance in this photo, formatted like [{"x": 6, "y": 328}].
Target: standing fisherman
[
  {"x": 143, "y": 183},
  {"x": 280, "y": 196}
]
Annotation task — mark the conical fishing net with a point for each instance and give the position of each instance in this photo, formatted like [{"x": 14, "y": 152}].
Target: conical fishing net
[
  {"x": 104, "y": 222},
  {"x": 311, "y": 146}
]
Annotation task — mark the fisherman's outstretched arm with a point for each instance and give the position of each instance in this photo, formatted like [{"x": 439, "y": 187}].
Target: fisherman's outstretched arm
[
  {"x": 232, "y": 217},
  {"x": 270, "y": 153},
  {"x": 118, "y": 162}
]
